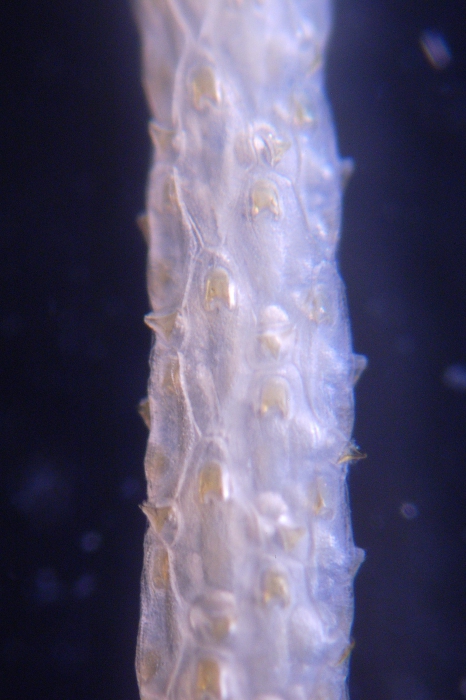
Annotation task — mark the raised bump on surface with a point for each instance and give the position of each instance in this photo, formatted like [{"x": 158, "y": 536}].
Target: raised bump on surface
[
  {"x": 208, "y": 679},
  {"x": 161, "y": 276},
  {"x": 275, "y": 588},
  {"x": 148, "y": 665},
  {"x": 219, "y": 288},
  {"x": 213, "y": 618},
  {"x": 216, "y": 604},
  {"x": 273, "y": 317},
  {"x": 161, "y": 569},
  {"x": 170, "y": 196},
  {"x": 162, "y": 138},
  {"x": 322, "y": 497},
  {"x": 156, "y": 463},
  {"x": 272, "y": 504},
  {"x": 212, "y": 483},
  {"x": 302, "y": 113},
  {"x": 264, "y": 196},
  {"x": 171, "y": 382},
  {"x": 271, "y": 147},
  {"x": 204, "y": 87},
  {"x": 272, "y": 343},
  {"x": 277, "y": 342},
  {"x": 290, "y": 535},
  {"x": 274, "y": 330},
  {"x": 318, "y": 305},
  {"x": 221, "y": 627},
  {"x": 275, "y": 397},
  {"x": 277, "y": 148}
]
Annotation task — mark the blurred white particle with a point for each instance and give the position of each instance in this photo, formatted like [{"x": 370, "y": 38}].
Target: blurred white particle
[
  {"x": 91, "y": 541},
  {"x": 435, "y": 49},
  {"x": 454, "y": 377},
  {"x": 84, "y": 586},
  {"x": 43, "y": 494},
  {"x": 48, "y": 587},
  {"x": 130, "y": 488},
  {"x": 409, "y": 511},
  {"x": 462, "y": 687}
]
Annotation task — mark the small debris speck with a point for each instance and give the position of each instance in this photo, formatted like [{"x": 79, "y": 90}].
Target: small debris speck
[
  {"x": 91, "y": 541},
  {"x": 454, "y": 377},
  {"x": 48, "y": 587},
  {"x": 409, "y": 511},
  {"x": 84, "y": 586},
  {"x": 435, "y": 49}
]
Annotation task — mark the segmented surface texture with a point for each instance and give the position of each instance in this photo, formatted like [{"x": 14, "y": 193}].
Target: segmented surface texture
[{"x": 249, "y": 557}]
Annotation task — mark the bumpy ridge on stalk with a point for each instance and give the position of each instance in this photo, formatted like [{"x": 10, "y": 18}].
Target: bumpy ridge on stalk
[{"x": 249, "y": 557}]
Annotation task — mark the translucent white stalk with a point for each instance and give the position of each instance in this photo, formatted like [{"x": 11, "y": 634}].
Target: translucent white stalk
[{"x": 249, "y": 557}]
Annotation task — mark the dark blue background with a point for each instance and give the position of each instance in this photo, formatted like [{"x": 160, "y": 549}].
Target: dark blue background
[{"x": 74, "y": 351}]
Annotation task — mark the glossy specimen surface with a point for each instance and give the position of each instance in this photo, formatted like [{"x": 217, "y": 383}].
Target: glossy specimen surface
[{"x": 249, "y": 557}]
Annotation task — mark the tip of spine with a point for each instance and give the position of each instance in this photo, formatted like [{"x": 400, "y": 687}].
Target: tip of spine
[
  {"x": 144, "y": 411},
  {"x": 347, "y": 168},
  {"x": 352, "y": 453},
  {"x": 142, "y": 222},
  {"x": 360, "y": 363}
]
